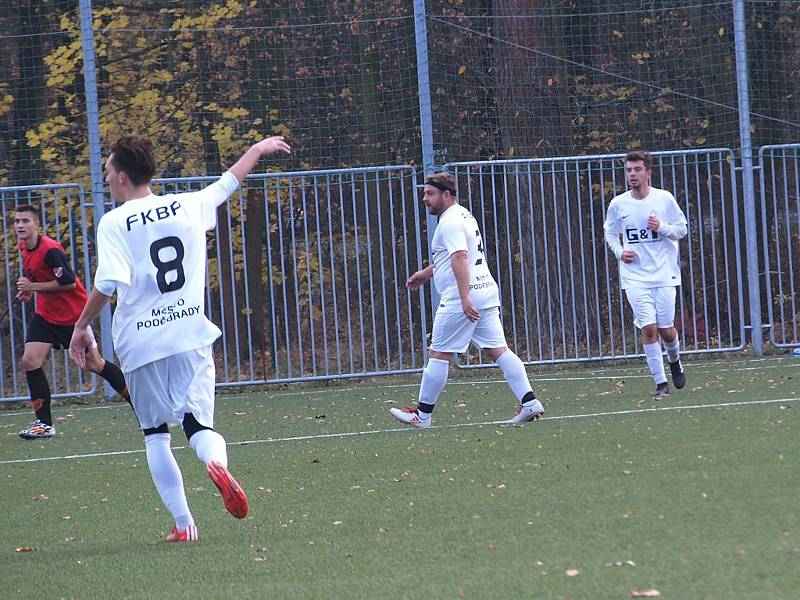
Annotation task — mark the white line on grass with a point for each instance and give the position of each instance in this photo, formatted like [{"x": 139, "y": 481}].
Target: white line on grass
[
  {"x": 451, "y": 383},
  {"x": 322, "y": 436}
]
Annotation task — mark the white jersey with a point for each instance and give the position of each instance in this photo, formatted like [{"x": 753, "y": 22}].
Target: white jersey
[
  {"x": 458, "y": 230},
  {"x": 152, "y": 252},
  {"x": 656, "y": 263}
]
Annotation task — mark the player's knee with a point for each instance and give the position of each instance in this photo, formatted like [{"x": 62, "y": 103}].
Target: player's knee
[
  {"x": 649, "y": 333},
  {"x": 163, "y": 428},
  {"x": 439, "y": 355},
  {"x": 668, "y": 334},
  {"x": 495, "y": 353},
  {"x": 30, "y": 363},
  {"x": 191, "y": 425}
]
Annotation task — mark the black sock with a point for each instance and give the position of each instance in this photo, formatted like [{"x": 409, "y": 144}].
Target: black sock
[
  {"x": 40, "y": 395},
  {"x": 528, "y": 397},
  {"x": 426, "y": 408},
  {"x": 113, "y": 375}
]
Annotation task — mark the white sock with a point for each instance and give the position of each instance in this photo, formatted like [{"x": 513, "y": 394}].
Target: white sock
[
  {"x": 167, "y": 477},
  {"x": 515, "y": 374},
  {"x": 655, "y": 361},
  {"x": 434, "y": 378},
  {"x": 209, "y": 445},
  {"x": 673, "y": 349}
]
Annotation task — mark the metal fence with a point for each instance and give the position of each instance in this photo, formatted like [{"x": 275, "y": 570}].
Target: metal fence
[
  {"x": 307, "y": 269},
  {"x": 62, "y": 213},
  {"x": 780, "y": 230},
  {"x": 307, "y": 275},
  {"x": 542, "y": 222}
]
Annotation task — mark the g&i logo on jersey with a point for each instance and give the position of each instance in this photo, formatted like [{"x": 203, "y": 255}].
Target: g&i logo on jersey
[{"x": 635, "y": 235}]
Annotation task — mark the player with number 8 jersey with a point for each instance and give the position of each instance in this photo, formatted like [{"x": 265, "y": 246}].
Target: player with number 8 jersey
[{"x": 152, "y": 254}]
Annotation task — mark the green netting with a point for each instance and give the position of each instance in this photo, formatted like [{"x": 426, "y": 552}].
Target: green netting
[
  {"x": 559, "y": 77},
  {"x": 509, "y": 78}
]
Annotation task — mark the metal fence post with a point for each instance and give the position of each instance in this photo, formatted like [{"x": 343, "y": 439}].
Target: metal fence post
[
  {"x": 746, "y": 146},
  {"x": 425, "y": 116},
  {"x": 95, "y": 160}
]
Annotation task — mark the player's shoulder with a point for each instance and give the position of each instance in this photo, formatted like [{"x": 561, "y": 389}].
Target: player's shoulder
[
  {"x": 47, "y": 243},
  {"x": 661, "y": 193},
  {"x": 454, "y": 217},
  {"x": 619, "y": 199}
]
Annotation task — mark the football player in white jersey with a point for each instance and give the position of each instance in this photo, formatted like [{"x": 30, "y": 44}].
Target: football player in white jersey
[
  {"x": 152, "y": 254},
  {"x": 469, "y": 310},
  {"x": 649, "y": 222}
]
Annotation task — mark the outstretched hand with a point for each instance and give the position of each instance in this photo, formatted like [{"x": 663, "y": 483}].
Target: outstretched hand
[{"x": 273, "y": 144}]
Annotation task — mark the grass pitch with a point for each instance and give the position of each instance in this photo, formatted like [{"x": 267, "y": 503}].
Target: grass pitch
[{"x": 610, "y": 496}]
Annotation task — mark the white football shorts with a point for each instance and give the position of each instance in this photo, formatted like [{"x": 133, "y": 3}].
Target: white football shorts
[
  {"x": 652, "y": 305},
  {"x": 453, "y": 332},
  {"x": 163, "y": 391}
]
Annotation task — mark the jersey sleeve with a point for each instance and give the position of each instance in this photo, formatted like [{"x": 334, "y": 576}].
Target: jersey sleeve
[
  {"x": 612, "y": 230},
  {"x": 59, "y": 264},
  {"x": 454, "y": 237},
  {"x": 113, "y": 264},
  {"x": 611, "y": 224},
  {"x": 203, "y": 204},
  {"x": 676, "y": 228}
]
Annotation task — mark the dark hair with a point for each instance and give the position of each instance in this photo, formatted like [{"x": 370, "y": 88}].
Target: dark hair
[
  {"x": 133, "y": 154},
  {"x": 27, "y": 208},
  {"x": 640, "y": 155},
  {"x": 444, "y": 182}
]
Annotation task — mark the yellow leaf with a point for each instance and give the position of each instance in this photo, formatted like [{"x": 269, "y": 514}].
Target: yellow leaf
[
  {"x": 721, "y": 31},
  {"x": 462, "y": 69}
]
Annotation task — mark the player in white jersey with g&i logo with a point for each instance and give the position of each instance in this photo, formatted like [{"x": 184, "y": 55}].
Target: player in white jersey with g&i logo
[
  {"x": 469, "y": 309},
  {"x": 649, "y": 222},
  {"x": 152, "y": 254}
]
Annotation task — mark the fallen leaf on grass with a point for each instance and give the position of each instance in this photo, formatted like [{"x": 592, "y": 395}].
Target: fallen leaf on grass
[
  {"x": 25, "y": 549},
  {"x": 261, "y": 558},
  {"x": 338, "y": 522},
  {"x": 652, "y": 593},
  {"x": 572, "y": 572},
  {"x": 384, "y": 529},
  {"x": 41, "y": 497},
  {"x": 239, "y": 413},
  {"x": 621, "y": 563},
  {"x": 69, "y": 539}
]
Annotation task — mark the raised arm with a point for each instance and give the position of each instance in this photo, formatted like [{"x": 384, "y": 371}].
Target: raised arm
[{"x": 250, "y": 159}]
